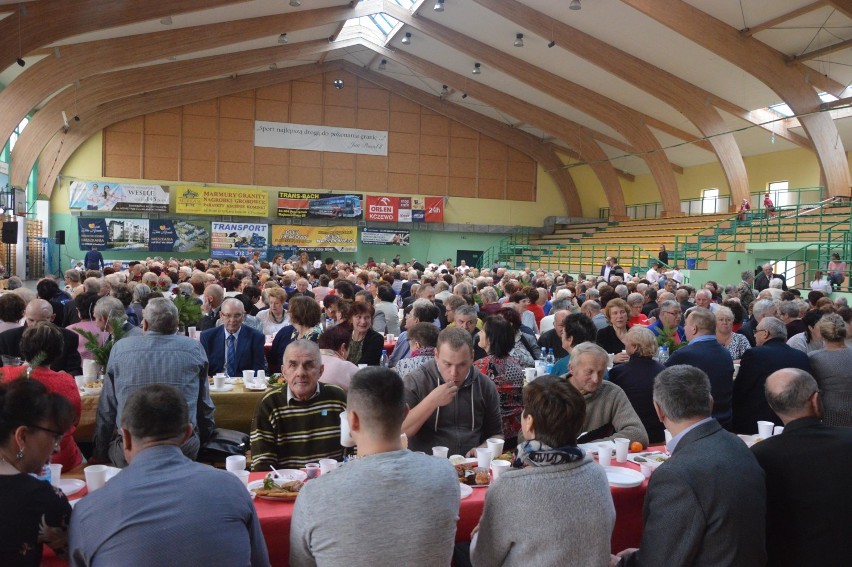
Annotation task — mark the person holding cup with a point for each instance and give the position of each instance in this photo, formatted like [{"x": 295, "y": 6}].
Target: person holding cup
[
  {"x": 33, "y": 421},
  {"x": 554, "y": 474}
]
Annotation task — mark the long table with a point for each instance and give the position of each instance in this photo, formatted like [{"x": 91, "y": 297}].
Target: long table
[{"x": 234, "y": 410}]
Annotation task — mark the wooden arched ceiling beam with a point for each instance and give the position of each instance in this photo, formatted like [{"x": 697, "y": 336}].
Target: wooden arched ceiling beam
[
  {"x": 81, "y": 60},
  {"x": 628, "y": 122},
  {"x": 793, "y": 83},
  {"x": 63, "y": 146},
  {"x": 521, "y": 141},
  {"x": 99, "y": 89},
  {"x": 48, "y": 21},
  {"x": 768, "y": 24},
  {"x": 843, "y": 6},
  {"x": 553, "y": 124}
]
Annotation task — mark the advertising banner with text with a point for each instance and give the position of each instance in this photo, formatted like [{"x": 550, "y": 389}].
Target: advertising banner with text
[
  {"x": 385, "y": 236},
  {"x": 235, "y": 239},
  {"x": 302, "y": 205},
  {"x": 405, "y": 209},
  {"x": 320, "y": 138},
  {"x": 314, "y": 238},
  {"x": 113, "y": 234},
  {"x": 108, "y": 196},
  {"x": 178, "y": 236},
  {"x": 194, "y": 200}
]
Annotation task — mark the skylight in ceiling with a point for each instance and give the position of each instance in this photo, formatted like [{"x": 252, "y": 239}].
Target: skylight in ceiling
[
  {"x": 784, "y": 110},
  {"x": 380, "y": 25}
]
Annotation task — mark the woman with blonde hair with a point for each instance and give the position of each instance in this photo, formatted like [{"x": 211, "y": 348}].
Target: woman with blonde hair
[
  {"x": 736, "y": 343},
  {"x": 830, "y": 367}
]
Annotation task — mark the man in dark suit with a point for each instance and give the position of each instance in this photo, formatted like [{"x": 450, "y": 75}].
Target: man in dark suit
[
  {"x": 212, "y": 298},
  {"x": 706, "y": 505},
  {"x": 705, "y": 352},
  {"x": 808, "y": 503},
  {"x": 762, "y": 280},
  {"x": 761, "y": 309},
  {"x": 36, "y": 311},
  {"x": 771, "y": 354},
  {"x": 301, "y": 289},
  {"x": 233, "y": 347}
]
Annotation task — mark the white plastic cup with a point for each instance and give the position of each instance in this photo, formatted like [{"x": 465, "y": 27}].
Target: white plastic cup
[
  {"x": 55, "y": 473},
  {"x": 764, "y": 429},
  {"x": 646, "y": 469},
  {"x": 90, "y": 368},
  {"x": 81, "y": 381},
  {"x": 778, "y": 430},
  {"x": 312, "y": 470},
  {"x": 439, "y": 451},
  {"x": 483, "y": 457},
  {"x": 248, "y": 376},
  {"x": 610, "y": 362},
  {"x": 498, "y": 467},
  {"x": 235, "y": 463},
  {"x": 327, "y": 465},
  {"x": 95, "y": 476},
  {"x": 622, "y": 446},
  {"x": 345, "y": 436},
  {"x": 605, "y": 454},
  {"x": 390, "y": 337},
  {"x": 529, "y": 374},
  {"x": 219, "y": 381},
  {"x": 496, "y": 447},
  {"x": 260, "y": 376},
  {"x": 668, "y": 435},
  {"x": 190, "y": 332},
  {"x": 243, "y": 475}
]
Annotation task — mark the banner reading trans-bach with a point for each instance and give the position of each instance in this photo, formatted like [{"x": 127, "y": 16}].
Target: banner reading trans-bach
[{"x": 300, "y": 205}]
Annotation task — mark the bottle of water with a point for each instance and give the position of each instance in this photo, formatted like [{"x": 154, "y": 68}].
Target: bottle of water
[
  {"x": 329, "y": 323},
  {"x": 549, "y": 361},
  {"x": 540, "y": 364},
  {"x": 45, "y": 474},
  {"x": 384, "y": 361},
  {"x": 662, "y": 354}
]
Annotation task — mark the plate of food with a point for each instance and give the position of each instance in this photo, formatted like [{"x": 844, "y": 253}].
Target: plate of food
[
  {"x": 278, "y": 490},
  {"x": 623, "y": 477},
  {"x": 71, "y": 486},
  {"x": 651, "y": 458},
  {"x": 92, "y": 388},
  {"x": 592, "y": 448},
  {"x": 750, "y": 440},
  {"x": 290, "y": 474}
]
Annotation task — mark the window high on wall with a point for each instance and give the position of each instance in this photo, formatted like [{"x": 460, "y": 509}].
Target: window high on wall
[
  {"x": 778, "y": 192},
  {"x": 709, "y": 199}
]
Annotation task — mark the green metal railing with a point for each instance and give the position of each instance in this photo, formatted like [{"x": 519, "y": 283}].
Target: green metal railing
[
  {"x": 515, "y": 242},
  {"x": 805, "y": 261},
  {"x": 576, "y": 258}
]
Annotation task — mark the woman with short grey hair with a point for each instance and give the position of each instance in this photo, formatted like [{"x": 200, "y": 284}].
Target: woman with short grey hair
[
  {"x": 736, "y": 343},
  {"x": 830, "y": 366}
]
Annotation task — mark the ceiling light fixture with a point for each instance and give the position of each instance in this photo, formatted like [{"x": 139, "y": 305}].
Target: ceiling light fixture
[
  {"x": 439, "y": 6},
  {"x": 338, "y": 83},
  {"x": 295, "y": 3},
  {"x": 477, "y": 69},
  {"x": 552, "y": 43},
  {"x": 282, "y": 38},
  {"x": 445, "y": 91},
  {"x": 20, "y": 60},
  {"x": 464, "y": 95},
  {"x": 273, "y": 66},
  {"x": 383, "y": 65},
  {"x": 575, "y": 5},
  {"x": 519, "y": 40},
  {"x": 407, "y": 39},
  {"x": 167, "y": 21}
]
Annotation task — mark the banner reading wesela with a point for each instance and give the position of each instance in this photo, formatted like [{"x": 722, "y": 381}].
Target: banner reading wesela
[
  {"x": 405, "y": 209},
  {"x": 320, "y": 138}
]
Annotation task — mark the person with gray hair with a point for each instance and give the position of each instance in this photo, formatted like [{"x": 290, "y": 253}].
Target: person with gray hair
[
  {"x": 109, "y": 311},
  {"x": 724, "y": 514},
  {"x": 592, "y": 310},
  {"x": 162, "y": 493},
  {"x": 167, "y": 358},
  {"x": 771, "y": 353},
  {"x": 14, "y": 283},
  {"x": 830, "y": 367},
  {"x": 36, "y": 311},
  {"x": 807, "y": 473},
  {"x": 760, "y": 309}
]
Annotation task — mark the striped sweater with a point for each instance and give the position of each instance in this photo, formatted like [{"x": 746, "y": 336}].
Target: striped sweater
[{"x": 290, "y": 433}]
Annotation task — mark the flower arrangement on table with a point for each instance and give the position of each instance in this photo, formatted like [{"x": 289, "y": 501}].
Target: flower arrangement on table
[{"x": 276, "y": 380}]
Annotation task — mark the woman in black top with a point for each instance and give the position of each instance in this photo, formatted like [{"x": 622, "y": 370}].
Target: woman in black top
[
  {"x": 366, "y": 346},
  {"x": 636, "y": 378},
  {"x": 612, "y": 339}
]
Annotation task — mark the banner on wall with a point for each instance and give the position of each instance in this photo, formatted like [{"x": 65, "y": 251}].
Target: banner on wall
[
  {"x": 320, "y": 138},
  {"x": 234, "y": 239},
  {"x": 108, "y": 196},
  {"x": 314, "y": 238},
  {"x": 385, "y": 236},
  {"x": 113, "y": 234},
  {"x": 178, "y": 236},
  {"x": 405, "y": 209},
  {"x": 301, "y": 205},
  {"x": 194, "y": 200}
]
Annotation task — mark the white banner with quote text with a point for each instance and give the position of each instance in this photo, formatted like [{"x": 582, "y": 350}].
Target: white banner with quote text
[{"x": 320, "y": 138}]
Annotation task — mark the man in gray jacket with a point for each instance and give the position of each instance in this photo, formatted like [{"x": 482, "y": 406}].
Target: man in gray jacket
[{"x": 452, "y": 404}]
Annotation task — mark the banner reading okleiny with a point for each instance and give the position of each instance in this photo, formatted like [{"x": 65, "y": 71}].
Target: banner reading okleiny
[
  {"x": 393, "y": 237},
  {"x": 314, "y": 238}
]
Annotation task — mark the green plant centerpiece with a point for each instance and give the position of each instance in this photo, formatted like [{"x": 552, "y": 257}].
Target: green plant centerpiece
[
  {"x": 99, "y": 351},
  {"x": 189, "y": 311},
  {"x": 667, "y": 338}
]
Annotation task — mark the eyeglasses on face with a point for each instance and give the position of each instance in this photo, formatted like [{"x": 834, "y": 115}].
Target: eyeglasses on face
[
  {"x": 57, "y": 436},
  {"x": 232, "y": 315}
]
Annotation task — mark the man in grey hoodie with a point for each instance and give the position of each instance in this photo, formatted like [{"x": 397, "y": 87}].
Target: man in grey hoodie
[{"x": 452, "y": 404}]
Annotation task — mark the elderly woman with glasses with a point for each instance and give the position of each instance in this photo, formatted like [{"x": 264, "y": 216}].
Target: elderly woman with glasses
[{"x": 736, "y": 343}]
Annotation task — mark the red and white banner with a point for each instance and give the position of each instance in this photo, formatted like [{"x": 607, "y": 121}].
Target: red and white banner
[{"x": 405, "y": 209}]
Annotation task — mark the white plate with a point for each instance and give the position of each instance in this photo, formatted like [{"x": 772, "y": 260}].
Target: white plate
[
  {"x": 652, "y": 461},
  {"x": 623, "y": 477},
  {"x": 750, "y": 440},
  {"x": 254, "y": 388},
  {"x": 255, "y": 484},
  {"x": 236, "y": 380},
  {"x": 290, "y": 474},
  {"x": 592, "y": 448},
  {"x": 465, "y": 491},
  {"x": 225, "y": 388},
  {"x": 111, "y": 472},
  {"x": 479, "y": 485},
  {"x": 71, "y": 486}
]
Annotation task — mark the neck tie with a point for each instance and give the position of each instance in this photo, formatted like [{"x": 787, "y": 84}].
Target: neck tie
[{"x": 231, "y": 356}]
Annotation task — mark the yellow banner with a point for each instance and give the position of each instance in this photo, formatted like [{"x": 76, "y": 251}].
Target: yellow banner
[
  {"x": 194, "y": 200},
  {"x": 315, "y": 238}
]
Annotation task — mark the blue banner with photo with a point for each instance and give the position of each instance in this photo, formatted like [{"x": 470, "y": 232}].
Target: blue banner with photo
[
  {"x": 93, "y": 233},
  {"x": 178, "y": 236}
]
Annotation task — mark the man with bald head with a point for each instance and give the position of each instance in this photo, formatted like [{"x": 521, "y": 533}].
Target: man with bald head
[
  {"x": 40, "y": 310},
  {"x": 233, "y": 346},
  {"x": 808, "y": 503}
]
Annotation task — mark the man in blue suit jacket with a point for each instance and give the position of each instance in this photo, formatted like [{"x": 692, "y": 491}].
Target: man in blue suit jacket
[
  {"x": 771, "y": 354},
  {"x": 246, "y": 345},
  {"x": 705, "y": 352}
]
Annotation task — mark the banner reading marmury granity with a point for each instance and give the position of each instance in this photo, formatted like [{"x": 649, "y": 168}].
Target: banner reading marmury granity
[
  {"x": 194, "y": 200},
  {"x": 390, "y": 236},
  {"x": 405, "y": 209},
  {"x": 314, "y": 238},
  {"x": 320, "y": 138},
  {"x": 235, "y": 239},
  {"x": 108, "y": 196},
  {"x": 300, "y": 205}
]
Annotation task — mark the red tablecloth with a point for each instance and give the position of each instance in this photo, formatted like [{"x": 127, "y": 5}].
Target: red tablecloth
[
  {"x": 275, "y": 520},
  {"x": 389, "y": 346}
]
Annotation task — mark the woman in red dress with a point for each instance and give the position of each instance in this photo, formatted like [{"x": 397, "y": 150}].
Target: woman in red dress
[{"x": 769, "y": 206}]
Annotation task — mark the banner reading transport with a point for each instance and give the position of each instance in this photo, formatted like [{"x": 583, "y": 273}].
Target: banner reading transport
[
  {"x": 405, "y": 209},
  {"x": 235, "y": 239},
  {"x": 314, "y": 238},
  {"x": 387, "y": 236},
  {"x": 301, "y": 205},
  {"x": 108, "y": 196},
  {"x": 194, "y": 200}
]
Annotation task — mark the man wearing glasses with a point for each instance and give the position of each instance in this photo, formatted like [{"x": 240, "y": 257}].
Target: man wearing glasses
[
  {"x": 669, "y": 319},
  {"x": 233, "y": 347},
  {"x": 770, "y": 354}
]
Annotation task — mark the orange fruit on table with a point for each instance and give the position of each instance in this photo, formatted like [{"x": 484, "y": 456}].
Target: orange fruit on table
[{"x": 636, "y": 446}]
